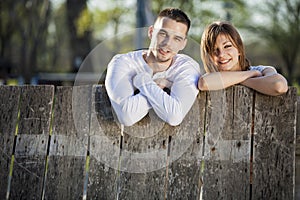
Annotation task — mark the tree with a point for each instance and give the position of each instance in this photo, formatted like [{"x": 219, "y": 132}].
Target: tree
[
  {"x": 23, "y": 33},
  {"x": 282, "y": 32},
  {"x": 79, "y": 38}
]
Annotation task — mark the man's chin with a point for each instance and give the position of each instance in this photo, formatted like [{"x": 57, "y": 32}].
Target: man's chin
[{"x": 163, "y": 60}]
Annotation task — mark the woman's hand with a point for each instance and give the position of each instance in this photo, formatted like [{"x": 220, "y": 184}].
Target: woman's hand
[
  {"x": 270, "y": 82},
  {"x": 255, "y": 73}
]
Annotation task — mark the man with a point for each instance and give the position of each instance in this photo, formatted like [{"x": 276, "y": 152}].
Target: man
[{"x": 136, "y": 82}]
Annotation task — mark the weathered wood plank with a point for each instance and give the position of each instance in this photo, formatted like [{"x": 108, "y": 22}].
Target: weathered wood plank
[
  {"x": 124, "y": 170},
  {"x": 144, "y": 159},
  {"x": 9, "y": 102},
  {"x": 150, "y": 185},
  {"x": 141, "y": 170},
  {"x": 297, "y": 159},
  {"x": 274, "y": 146},
  {"x": 297, "y": 182},
  {"x": 143, "y": 164},
  {"x": 69, "y": 142},
  {"x": 227, "y": 144},
  {"x": 32, "y": 139},
  {"x": 104, "y": 148},
  {"x": 184, "y": 173},
  {"x": 298, "y": 127}
]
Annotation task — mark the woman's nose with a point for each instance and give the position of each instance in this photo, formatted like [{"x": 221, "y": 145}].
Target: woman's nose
[{"x": 220, "y": 53}]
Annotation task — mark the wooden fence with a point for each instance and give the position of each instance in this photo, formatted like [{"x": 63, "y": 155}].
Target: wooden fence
[{"x": 64, "y": 143}]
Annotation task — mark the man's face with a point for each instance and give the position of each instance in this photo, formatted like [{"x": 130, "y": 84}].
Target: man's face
[{"x": 168, "y": 37}]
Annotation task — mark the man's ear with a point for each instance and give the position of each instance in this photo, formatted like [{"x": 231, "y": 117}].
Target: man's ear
[
  {"x": 150, "y": 32},
  {"x": 183, "y": 44}
]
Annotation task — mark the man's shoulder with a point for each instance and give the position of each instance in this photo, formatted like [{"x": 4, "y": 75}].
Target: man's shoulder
[
  {"x": 132, "y": 55},
  {"x": 183, "y": 59},
  {"x": 185, "y": 63},
  {"x": 127, "y": 54}
]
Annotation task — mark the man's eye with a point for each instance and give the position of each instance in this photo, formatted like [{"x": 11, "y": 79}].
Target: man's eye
[
  {"x": 163, "y": 34},
  {"x": 178, "y": 39}
]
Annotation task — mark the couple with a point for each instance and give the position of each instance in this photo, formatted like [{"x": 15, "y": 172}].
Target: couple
[{"x": 168, "y": 82}]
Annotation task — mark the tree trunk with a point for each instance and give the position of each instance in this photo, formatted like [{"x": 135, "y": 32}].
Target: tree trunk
[{"x": 80, "y": 45}]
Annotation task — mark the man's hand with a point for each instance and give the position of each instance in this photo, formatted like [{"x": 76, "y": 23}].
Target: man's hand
[{"x": 163, "y": 83}]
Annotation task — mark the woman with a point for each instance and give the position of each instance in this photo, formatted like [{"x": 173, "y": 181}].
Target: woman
[{"x": 225, "y": 63}]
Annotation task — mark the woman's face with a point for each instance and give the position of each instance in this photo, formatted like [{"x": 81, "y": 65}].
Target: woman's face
[{"x": 226, "y": 55}]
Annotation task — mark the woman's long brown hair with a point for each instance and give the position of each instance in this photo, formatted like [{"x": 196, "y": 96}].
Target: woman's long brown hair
[{"x": 208, "y": 42}]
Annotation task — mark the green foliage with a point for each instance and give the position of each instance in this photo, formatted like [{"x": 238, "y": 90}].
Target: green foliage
[
  {"x": 101, "y": 19},
  {"x": 23, "y": 33},
  {"x": 35, "y": 40},
  {"x": 297, "y": 85},
  {"x": 204, "y": 12},
  {"x": 281, "y": 31},
  {"x": 84, "y": 22},
  {"x": 56, "y": 56}
]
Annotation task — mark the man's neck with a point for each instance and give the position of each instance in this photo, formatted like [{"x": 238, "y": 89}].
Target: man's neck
[{"x": 155, "y": 65}]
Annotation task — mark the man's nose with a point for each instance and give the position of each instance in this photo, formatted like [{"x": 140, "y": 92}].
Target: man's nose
[{"x": 167, "y": 41}]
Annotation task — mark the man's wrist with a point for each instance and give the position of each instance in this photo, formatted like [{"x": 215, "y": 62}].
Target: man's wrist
[{"x": 141, "y": 79}]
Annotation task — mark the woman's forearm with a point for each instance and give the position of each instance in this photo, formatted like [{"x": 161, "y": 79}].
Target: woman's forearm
[
  {"x": 271, "y": 85},
  {"x": 221, "y": 80}
]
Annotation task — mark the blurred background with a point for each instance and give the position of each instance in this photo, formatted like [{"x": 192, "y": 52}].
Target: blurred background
[{"x": 47, "y": 41}]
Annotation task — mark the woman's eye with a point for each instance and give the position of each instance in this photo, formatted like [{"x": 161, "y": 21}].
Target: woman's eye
[{"x": 228, "y": 46}]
